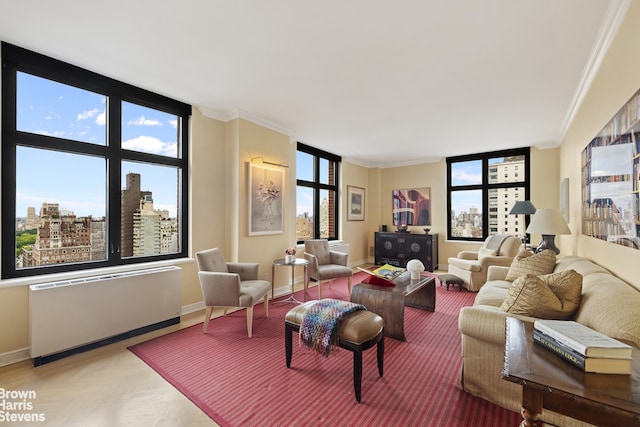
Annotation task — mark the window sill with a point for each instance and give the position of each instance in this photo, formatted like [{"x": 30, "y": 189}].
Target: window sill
[{"x": 35, "y": 280}]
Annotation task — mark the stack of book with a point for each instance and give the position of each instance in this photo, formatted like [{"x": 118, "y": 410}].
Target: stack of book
[{"x": 583, "y": 347}]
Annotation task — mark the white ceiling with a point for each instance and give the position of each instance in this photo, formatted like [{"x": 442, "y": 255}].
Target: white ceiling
[{"x": 382, "y": 83}]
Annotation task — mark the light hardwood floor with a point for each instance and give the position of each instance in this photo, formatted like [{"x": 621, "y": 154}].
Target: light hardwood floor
[{"x": 106, "y": 387}]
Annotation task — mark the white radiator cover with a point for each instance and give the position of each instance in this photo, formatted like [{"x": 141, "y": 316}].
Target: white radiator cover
[
  {"x": 339, "y": 246},
  {"x": 72, "y": 313}
]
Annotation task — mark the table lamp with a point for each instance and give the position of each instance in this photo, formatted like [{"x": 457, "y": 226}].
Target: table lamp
[
  {"x": 523, "y": 207},
  {"x": 548, "y": 223}
]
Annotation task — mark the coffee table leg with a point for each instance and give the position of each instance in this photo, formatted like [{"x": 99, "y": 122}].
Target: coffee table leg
[
  {"x": 424, "y": 298},
  {"x": 387, "y": 305}
]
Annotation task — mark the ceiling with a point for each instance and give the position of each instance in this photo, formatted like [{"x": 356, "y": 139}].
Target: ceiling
[{"x": 381, "y": 83}]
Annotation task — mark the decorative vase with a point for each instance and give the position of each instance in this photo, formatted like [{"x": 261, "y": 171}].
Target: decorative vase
[
  {"x": 415, "y": 275},
  {"x": 289, "y": 259}
]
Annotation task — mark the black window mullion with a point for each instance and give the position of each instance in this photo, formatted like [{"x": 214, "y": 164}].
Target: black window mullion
[
  {"x": 15, "y": 60},
  {"x": 485, "y": 186},
  {"x": 115, "y": 184},
  {"x": 9, "y": 95}
]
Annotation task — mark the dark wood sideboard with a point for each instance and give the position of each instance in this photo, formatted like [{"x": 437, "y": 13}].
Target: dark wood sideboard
[{"x": 398, "y": 248}]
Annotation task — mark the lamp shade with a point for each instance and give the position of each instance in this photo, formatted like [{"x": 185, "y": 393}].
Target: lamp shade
[
  {"x": 523, "y": 207},
  {"x": 548, "y": 221}
]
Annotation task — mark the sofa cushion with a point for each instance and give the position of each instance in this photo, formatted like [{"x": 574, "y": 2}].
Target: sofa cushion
[
  {"x": 610, "y": 306},
  {"x": 551, "y": 296},
  {"x": 526, "y": 262}
]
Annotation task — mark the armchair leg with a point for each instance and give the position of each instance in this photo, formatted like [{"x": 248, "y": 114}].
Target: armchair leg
[
  {"x": 249, "y": 320},
  {"x": 207, "y": 317},
  {"x": 266, "y": 305}
]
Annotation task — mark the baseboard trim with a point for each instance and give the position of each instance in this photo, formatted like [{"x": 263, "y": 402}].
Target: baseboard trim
[{"x": 15, "y": 356}]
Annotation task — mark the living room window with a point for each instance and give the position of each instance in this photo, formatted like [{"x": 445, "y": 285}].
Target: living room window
[
  {"x": 93, "y": 169},
  {"x": 317, "y": 195},
  {"x": 473, "y": 189}
]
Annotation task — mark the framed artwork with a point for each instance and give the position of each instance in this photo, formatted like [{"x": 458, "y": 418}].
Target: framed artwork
[
  {"x": 265, "y": 200},
  {"x": 355, "y": 203},
  {"x": 611, "y": 179},
  {"x": 412, "y": 206}
]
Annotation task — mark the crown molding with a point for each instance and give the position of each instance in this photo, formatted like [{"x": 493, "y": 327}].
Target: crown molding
[
  {"x": 610, "y": 24},
  {"x": 228, "y": 115},
  {"x": 392, "y": 165}
]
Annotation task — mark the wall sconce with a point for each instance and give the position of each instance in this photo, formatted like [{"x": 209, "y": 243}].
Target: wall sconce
[
  {"x": 265, "y": 162},
  {"x": 548, "y": 223}
]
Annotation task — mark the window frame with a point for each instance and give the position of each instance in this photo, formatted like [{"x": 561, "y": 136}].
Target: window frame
[
  {"x": 316, "y": 186},
  {"x": 485, "y": 186},
  {"x": 16, "y": 59}
]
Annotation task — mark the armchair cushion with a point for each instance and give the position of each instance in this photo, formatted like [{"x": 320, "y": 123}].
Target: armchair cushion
[
  {"x": 472, "y": 266},
  {"x": 466, "y": 264},
  {"x": 246, "y": 270},
  {"x": 484, "y": 252}
]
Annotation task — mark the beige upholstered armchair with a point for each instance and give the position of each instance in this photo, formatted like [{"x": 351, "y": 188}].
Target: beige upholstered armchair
[
  {"x": 324, "y": 264},
  {"x": 230, "y": 284},
  {"x": 472, "y": 267}
]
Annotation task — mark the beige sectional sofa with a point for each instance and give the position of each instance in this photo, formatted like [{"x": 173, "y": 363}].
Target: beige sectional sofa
[{"x": 608, "y": 305}]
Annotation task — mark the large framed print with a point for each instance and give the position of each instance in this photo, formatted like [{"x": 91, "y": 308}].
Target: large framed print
[
  {"x": 355, "y": 203},
  {"x": 611, "y": 179},
  {"x": 266, "y": 206},
  {"x": 412, "y": 206}
]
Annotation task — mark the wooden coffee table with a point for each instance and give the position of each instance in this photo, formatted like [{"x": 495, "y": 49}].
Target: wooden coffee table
[
  {"x": 550, "y": 382},
  {"x": 389, "y": 302}
]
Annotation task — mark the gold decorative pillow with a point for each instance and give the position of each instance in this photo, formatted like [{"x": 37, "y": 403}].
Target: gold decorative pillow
[
  {"x": 526, "y": 262},
  {"x": 551, "y": 296}
]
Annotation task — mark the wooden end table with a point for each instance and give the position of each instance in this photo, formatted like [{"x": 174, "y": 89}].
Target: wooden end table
[
  {"x": 550, "y": 382},
  {"x": 389, "y": 302}
]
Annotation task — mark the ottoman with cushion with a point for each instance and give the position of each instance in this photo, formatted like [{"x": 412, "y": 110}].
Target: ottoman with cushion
[{"x": 358, "y": 332}]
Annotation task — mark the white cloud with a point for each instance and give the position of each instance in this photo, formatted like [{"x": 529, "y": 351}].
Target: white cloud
[
  {"x": 149, "y": 144},
  {"x": 142, "y": 121},
  {"x": 101, "y": 119},
  {"x": 87, "y": 114},
  {"x": 174, "y": 123}
]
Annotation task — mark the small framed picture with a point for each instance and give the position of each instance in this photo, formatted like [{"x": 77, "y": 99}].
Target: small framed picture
[{"x": 355, "y": 203}]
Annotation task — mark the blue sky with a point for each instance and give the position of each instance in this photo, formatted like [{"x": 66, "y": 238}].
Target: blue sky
[
  {"x": 466, "y": 173},
  {"x": 78, "y": 182},
  {"x": 304, "y": 170}
]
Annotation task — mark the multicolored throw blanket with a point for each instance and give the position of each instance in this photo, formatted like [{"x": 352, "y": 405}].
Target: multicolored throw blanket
[{"x": 320, "y": 326}]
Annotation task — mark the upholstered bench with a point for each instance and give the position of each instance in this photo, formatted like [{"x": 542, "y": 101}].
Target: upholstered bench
[
  {"x": 451, "y": 279},
  {"x": 359, "y": 331}
]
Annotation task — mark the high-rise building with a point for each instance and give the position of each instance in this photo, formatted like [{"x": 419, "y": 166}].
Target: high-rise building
[
  {"x": 130, "y": 198},
  {"x": 60, "y": 238}
]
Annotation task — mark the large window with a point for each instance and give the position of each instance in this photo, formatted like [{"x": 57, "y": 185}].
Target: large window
[
  {"x": 482, "y": 189},
  {"x": 93, "y": 169},
  {"x": 316, "y": 194}
]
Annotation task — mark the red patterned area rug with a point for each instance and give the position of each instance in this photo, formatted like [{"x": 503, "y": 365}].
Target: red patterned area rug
[{"x": 240, "y": 381}]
